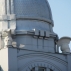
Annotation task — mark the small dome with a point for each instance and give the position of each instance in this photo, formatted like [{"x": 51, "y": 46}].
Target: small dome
[{"x": 33, "y": 9}]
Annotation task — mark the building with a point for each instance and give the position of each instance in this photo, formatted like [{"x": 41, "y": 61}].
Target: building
[{"x": 27, "y": 39}]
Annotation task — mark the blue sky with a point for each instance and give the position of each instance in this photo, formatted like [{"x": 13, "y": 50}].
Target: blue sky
[{"x": 61, "y": 11}]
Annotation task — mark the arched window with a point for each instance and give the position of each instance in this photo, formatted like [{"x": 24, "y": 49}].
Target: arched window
[{"x": 33, "y": 69}]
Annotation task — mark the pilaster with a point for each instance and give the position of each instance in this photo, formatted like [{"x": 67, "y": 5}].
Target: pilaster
[
  {"x": 8, "y": 59},
  {"x": 4, "y": 59},
  {"x": 12, "y": 59}
]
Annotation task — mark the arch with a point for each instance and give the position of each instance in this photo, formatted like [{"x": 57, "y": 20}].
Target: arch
[
  {"x": 39, "y": 63},
  {"x": 41, "y": 55}
]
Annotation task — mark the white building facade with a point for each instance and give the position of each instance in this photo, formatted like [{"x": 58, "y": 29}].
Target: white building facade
[{"x": 27, "y": 40}]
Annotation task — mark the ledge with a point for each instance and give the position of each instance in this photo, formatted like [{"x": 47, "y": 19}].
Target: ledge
[{"x": 36, "y": 33}]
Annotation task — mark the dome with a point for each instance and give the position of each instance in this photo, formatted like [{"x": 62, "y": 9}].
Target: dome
[
  {"x": 33, "y": 9},
  {"x": 27, "y": 14}
]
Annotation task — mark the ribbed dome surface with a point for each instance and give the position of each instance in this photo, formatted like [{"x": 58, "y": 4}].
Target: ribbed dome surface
[{"x": 32, "y": 9}]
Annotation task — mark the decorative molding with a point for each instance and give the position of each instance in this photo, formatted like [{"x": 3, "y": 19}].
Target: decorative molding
[
  {"x": 41, "y": 55},
  {"x": 8, "y": 17},
  {"x": 39, "y": 63},
  {"x": 28, "y": 17},
  {"x": 37, "y": 33}
]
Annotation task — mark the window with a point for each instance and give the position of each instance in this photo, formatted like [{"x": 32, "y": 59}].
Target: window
[
  {"x": 40, "y": 69},
  {"x": 51, "y": 70},
  {"x": 33, "y": 69}
]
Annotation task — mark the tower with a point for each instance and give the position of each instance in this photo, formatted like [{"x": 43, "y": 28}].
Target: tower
[{"x": 28, "y": 42}]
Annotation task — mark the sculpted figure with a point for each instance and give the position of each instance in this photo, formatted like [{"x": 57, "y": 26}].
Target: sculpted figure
[{"x": 7, "y": 37}]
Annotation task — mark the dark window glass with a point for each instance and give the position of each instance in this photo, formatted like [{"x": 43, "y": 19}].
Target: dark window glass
[
  {"x": 51, "y": 70},
  {"x": 41, "y": 69}
]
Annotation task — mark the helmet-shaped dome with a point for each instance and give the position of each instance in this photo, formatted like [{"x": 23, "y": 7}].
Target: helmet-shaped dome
[{"x": 33, "y": 9}]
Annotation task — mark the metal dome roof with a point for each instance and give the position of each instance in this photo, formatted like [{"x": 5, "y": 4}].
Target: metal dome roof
[{"x": 33, "y": 9}]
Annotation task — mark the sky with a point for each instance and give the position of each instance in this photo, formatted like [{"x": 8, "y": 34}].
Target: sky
[{"x": 61, "y": 12}]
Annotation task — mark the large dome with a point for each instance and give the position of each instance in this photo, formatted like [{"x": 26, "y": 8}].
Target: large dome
[
  {"x": 33, "y": 9},
  {"x": 26, "y": 14}
]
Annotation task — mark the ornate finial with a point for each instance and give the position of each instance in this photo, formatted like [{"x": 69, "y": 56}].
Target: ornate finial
[{"x": 64, "y": 44}]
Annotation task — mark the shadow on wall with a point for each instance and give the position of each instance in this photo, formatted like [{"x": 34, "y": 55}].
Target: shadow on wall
[{"x": 1, "y": 68}]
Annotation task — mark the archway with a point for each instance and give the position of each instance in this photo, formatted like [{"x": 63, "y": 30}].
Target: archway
[{"x": 46, "y": 65}]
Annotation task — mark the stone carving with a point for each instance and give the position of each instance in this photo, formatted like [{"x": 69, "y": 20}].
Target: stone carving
[
  {"x": 7, "y": 37},
  {"x": 14, "y": 44},
  {"x": 64, "y": 44}
]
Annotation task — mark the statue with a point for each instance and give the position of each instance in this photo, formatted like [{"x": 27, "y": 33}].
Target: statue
[{"x": 7, "y": 37}]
